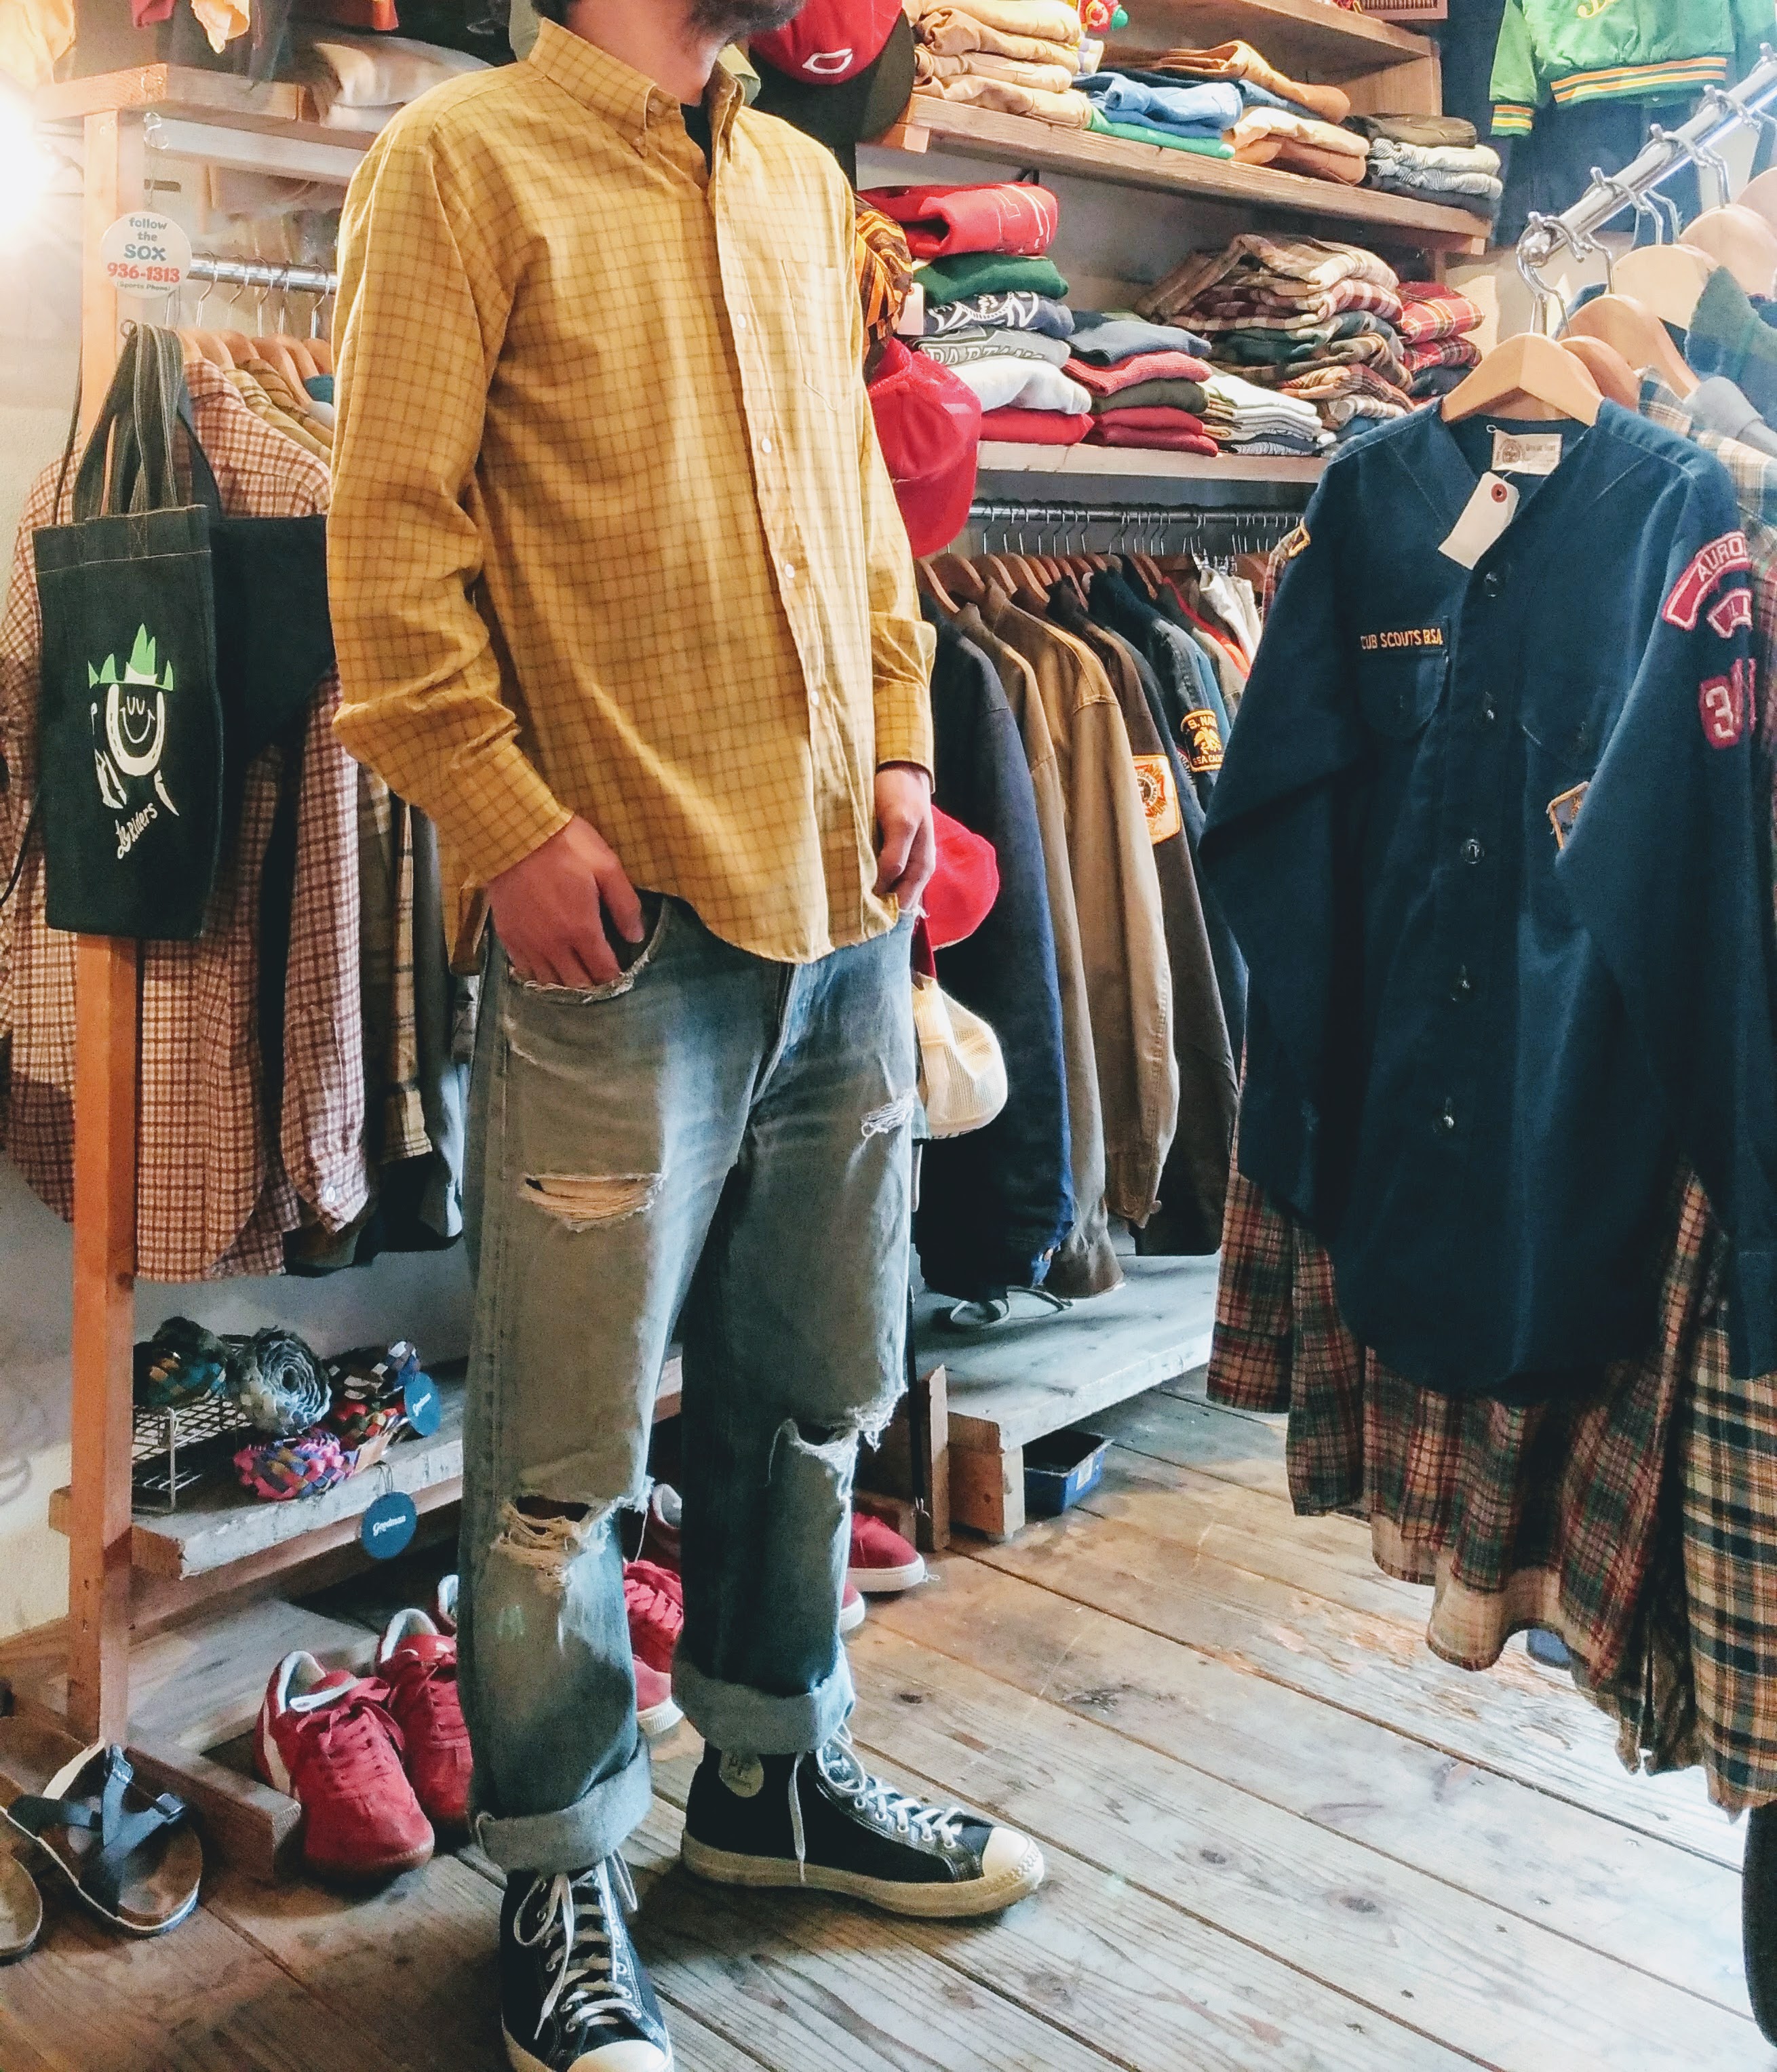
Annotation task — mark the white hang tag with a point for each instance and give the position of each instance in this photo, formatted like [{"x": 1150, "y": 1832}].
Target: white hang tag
[
  {"x": 1526, "y": 452},
  {"x": 1485, "y": 516}
]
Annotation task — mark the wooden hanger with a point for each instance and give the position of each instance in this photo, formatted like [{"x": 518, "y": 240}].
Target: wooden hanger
[
  {"x": 1741, "y": 239},
  {"x": 1668, "y": 279},
  {"x": 307, "y": 366},
  {"x": 1615, "y": 377},
  {"x": 1760, "y": 197},
  {"x": 932, "y": 584},
  {"x": 1526, "y": 377},
  {"x": 321, "y": 351},
  {"x": 960, "y": 575},
  {"x": 1628, "y": 325}
]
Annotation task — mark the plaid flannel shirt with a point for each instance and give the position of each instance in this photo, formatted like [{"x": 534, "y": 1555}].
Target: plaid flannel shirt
[
  {"x": 1640, "y": 1521},
  {"x": 224, "y": 1167}
]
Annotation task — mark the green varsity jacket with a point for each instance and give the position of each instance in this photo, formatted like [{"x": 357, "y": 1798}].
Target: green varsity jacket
[{"x": 1568, "y": 51}]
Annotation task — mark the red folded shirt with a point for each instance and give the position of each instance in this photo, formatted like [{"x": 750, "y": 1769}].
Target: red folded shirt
[
  {"x": 1019, "y": 221},
  {"x": 1034, "y": 428},
  {"x": 1106, "y": 432},
  {"x": 1151, "y": 417},
  {"x": 1143, "y": 366}
]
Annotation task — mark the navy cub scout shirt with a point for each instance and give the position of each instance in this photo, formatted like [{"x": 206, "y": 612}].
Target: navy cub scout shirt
[{"x": 1489, "y": 839}]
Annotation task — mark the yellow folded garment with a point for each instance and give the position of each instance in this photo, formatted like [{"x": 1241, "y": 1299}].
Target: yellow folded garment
[
  {"x": 1264, "y": 134},
  {"x": 33, "y": 34},
  {"x": 1048, "y": 21},
  {"x": 222, "y": 20},
  {"x": 1063, "y": 111},
  {"x": 980, "y": 64},
  {"x": 1288, "y": 155},
  {"x": 1238, "y": 60}
]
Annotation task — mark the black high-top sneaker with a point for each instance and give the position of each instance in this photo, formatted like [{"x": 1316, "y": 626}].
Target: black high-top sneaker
[
  {"x": 823, "y": 1821},
  {"x": 573, "y": 1996}
]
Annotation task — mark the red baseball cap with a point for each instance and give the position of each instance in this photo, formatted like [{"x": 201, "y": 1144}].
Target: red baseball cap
[
  {"x": 928, "y": 424},
  {"x": 965, "y": 885},
  {"x": 829, "y": 41}
]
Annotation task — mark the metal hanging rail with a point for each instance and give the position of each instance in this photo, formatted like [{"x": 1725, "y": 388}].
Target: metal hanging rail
[
  {"x": 1074, "y": 521},
  {"x": 261, "y": 273},
  {"x": 1695, "y": 142}
]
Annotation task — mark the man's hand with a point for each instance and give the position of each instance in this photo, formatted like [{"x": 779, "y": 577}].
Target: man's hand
[
  {"x": 550, "y": 909},
  {"x": 907, "y": 850}
]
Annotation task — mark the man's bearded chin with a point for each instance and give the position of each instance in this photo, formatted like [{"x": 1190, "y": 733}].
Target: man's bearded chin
[{"x": 730, "y": 19}]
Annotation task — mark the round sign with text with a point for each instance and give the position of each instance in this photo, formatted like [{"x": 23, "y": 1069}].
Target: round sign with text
[{"x": 145, "y": 254}]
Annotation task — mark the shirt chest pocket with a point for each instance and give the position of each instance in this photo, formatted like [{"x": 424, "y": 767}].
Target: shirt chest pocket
[
  {"x": 1399, "y": 686},
  {"x": 817, "y": 317}
]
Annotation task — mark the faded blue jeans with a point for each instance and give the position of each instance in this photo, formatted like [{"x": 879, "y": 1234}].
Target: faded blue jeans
[{"x": 721, "y": 1144}]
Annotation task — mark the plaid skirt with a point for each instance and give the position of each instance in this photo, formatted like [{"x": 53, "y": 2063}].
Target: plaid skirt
[{"x": 1637, "y": 1520}]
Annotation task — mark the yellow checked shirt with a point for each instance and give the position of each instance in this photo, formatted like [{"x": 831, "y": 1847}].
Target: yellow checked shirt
[{"x": 611, "y": 533}]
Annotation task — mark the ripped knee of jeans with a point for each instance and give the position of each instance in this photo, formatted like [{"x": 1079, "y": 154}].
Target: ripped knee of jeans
[
  {"x": 581, "y": 1201},
  {"x": 549, "y": 1537}
]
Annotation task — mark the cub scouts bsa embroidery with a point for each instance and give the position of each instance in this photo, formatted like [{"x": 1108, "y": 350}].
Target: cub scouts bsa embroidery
[
  {"x": 1720, "y": 557},
  {"x": 1724, "y": 702},
  {"x": 1201, "y": 738},
  {"x": 130, "y": 737},
  {"x": 1729, "y": 614},
  {"x": 1563, "y": 812},
  {"x": 1395, "y": 639},
  {"x": 1159, "y": 797}
]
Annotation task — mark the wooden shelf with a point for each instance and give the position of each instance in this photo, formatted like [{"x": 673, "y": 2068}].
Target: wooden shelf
[
  {"x": 232, "y": 1530},
  {"x": 1311, "y": 40},
  {"x": 217, "y": 100},
  {"x": 1016, "y": 140},
  {"x": 1083, "y": 466},
  {"x": 1037, "y": 1374}
]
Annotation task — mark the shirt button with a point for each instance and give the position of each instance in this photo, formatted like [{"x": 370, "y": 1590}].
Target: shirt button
[
  {"x": 1444, "y": 1123},
  {"x": 740, "y": 324},
  {"x": 789, "y": 572},
  {"x": 1461, "y": 986},
  {"x": 1472, "y": 851},
  {"x": 765, "y": 445},
  {"x": 1491, "y": 584}
]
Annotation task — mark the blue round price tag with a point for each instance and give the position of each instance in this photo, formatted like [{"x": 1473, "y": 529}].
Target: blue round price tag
[
  {"x": 386, "y": 1528},
  {"x": 423, "y": 1404}
]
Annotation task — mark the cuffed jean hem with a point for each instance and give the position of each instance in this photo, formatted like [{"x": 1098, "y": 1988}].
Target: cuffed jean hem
[
  {"x": 580, "y": 1836},
  {"x": 735, "y": 1718}
]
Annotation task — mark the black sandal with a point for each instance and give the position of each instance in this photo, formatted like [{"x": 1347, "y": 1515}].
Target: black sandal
[{"x": 132, "y": 1860}]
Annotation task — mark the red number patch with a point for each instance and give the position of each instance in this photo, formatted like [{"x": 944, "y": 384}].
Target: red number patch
[{"x": 1723, "y": 702}]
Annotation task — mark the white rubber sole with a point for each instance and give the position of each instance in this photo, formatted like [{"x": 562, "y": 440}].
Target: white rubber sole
[
  {"x": 851, "y": 1616},
  {"x": 522, "y": 2061},
  {"x": 926, "y": 1902},
  {"x": 888, "y": 1582}
]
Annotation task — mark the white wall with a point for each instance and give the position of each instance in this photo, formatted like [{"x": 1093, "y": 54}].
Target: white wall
[{"x": 424, "y": 1297}]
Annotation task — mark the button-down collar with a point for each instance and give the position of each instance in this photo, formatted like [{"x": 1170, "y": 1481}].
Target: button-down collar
[{"x": 629, "y": 100}]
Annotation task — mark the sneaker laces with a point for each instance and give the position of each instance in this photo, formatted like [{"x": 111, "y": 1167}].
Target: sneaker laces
[
  {"x": 412, "y": 1681},
  {"x": 586, "y": 1989},
  {"x": 357, "y": 1728},
  {"x": 877, "y": 1800}
]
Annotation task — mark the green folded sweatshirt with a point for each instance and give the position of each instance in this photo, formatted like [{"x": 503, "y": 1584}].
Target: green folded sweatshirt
[
  {"x": 969, "y": 274},
  {"x": 1170, "y": 140}
]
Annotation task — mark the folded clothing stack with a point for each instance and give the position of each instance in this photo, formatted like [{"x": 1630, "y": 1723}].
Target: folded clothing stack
[
  {"x": 1300, "y": 144},
  {"x": 1240, "y": 63},
  {"x": 995, "y": 314},
  {"x": 1145, "y": 382},
  {"x": 1454, "y": 176},
  {"x": 1315, "y": 321},
  {"x": 1155, "y": 107},
  {"x": 1437, "y": 328},
  {"x": 360, "y": 82},
  {"x": 1245, "y": 419},
  {"x": 1020, "y": 57}
]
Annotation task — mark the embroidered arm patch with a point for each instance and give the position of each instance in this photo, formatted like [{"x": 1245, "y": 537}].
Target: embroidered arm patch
[
  {"x": 1731, "y": 611},
  {"x": 1720, "y": 557},
  {"x": 1724, "y": 703}
]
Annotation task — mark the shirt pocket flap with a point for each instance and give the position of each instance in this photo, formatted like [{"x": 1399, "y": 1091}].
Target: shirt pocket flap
[{"x": 1399, "y": 687}]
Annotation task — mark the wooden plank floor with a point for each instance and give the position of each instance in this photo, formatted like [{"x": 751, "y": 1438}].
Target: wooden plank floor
[{"x": 1281, "y": 1835}]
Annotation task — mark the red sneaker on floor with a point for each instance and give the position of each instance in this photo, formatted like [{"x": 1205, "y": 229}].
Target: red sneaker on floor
[
  {"x": 661, "y": 1538},
  {"x": 882, "y": 1561},
  {"x": 326, "y": 1739},
  {"x": 419, "y": 1665}
]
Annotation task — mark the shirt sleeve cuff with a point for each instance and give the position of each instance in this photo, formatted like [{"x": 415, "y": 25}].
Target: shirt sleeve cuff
[{"x": 501, "y": 811}]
